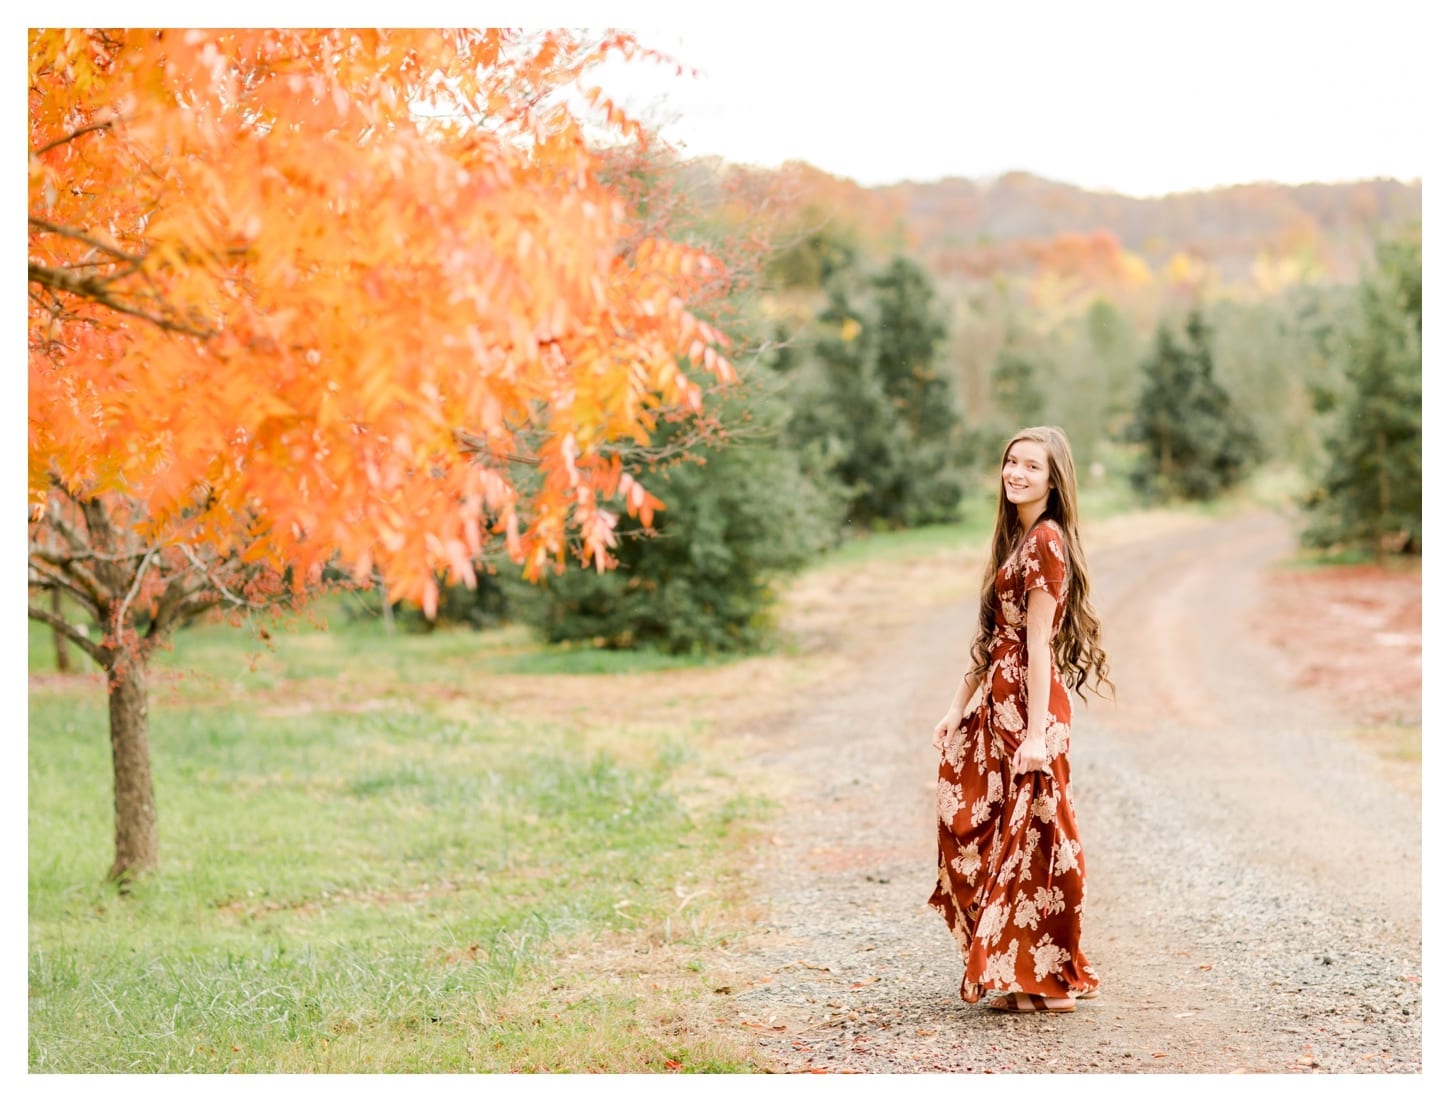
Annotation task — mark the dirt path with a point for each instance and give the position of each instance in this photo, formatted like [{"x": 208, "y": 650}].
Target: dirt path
[{"x": 1253, "y": 880}]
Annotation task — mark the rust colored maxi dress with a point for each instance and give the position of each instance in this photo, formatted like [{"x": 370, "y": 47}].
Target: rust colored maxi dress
[{"x": 1010, "y": 865}]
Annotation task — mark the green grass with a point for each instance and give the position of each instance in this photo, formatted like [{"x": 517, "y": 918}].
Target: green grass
[
  {"x": 909, "y": 543},
  {"x": 386, "y": 889},
  {"x": 326, "y": 642}
]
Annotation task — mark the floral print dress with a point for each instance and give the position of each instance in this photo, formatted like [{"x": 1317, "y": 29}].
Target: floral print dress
[{"x": 1010, "y": 865}]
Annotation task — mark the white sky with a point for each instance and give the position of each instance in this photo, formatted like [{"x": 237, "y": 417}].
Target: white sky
[
  {"x": 1131, "y": 97},
  {"x": 1124, "y": 95}
]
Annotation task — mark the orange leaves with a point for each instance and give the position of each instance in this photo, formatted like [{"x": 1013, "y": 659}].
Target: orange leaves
[
  {"x": 350, "y": 325},
  {"x": 640, "y": 501}
]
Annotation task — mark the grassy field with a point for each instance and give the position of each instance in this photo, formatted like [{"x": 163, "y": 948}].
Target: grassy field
[{"x": 370, "y": 865}]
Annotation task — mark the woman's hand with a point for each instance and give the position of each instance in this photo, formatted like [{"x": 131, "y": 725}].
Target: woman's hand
[
  {"x": 946, "y": 725},
  {"x": 1031, "y": 755}
]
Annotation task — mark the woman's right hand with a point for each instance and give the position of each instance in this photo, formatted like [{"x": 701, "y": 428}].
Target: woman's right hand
[{"x": 945, "y": 726}]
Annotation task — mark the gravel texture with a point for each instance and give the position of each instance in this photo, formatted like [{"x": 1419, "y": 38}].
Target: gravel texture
[{"x": 1253, "y": 894}]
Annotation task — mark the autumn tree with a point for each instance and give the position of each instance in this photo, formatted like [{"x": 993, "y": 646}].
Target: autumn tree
[{"x": 318, "y": 299}]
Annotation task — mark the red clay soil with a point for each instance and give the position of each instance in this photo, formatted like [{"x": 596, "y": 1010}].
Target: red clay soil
[{"x": 1354, "y": 631}]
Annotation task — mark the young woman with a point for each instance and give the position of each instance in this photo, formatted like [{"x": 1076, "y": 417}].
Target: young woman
[{"x": 1010, "y": 865}]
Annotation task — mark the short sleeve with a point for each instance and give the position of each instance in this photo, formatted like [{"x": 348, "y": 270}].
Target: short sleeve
[{"x": 1044, "y": 562}]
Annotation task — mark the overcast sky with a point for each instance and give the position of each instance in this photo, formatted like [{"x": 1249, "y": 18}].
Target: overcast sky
[
  {"x": 1132, "y": 97},
  {"x": 1124, "y": 95}
]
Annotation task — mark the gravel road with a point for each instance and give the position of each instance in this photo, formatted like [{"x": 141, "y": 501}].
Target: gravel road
[{"x": 1253, "y": 894}]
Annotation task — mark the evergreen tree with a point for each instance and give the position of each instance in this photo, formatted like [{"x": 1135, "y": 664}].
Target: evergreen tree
[
  {"x": 871, "y": 406},
  {"x": 844, "y": 420},
  {"x": 1015, "y": 391},
  {"x": 1111, "y": 351},
  {"x": 1370, "y": 492},
  {"x": 703, "y": 580},
  {"x": 910, "y": 337},
  {"x": 1195, "y": 443}
]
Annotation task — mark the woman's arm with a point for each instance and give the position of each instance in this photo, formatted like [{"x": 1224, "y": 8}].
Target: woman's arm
[
  {"x": 966, "y": 689},
  {"x": 1032, "y": 754}
]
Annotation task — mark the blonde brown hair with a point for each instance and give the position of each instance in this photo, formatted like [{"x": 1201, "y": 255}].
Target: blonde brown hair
[{"x": 1077, "y": 644}]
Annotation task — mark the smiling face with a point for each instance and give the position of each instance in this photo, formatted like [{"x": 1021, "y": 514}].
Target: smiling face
[{"x": 1026, "y": 479}]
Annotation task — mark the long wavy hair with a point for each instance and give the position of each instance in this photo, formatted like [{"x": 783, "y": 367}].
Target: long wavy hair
[{"x": 1077, "y": 644}]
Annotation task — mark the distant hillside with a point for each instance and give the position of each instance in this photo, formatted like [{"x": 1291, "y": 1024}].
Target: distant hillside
[{"x": 967, "y": 228}]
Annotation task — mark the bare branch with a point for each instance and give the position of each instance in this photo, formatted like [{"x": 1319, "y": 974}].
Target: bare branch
[
  {"x": 73, "y": 633},
  {"x": 135, "y": 588},
  {"x": 102, "y": 532},
  {"x": 72, "y": 136},
  {"x": 86, "y": 239},
  {"x": 60, "y": 485},
  {"x": 195, "y": 604},
  {"x": 66, "y": 558},
  {"x": 177, "y": 605},
  {"x": 87, "y": 287},
  {"x": 80, "y": 545},
  {"x": 481, "y": 449},
  {"x": 240, "y": 602},
  {"x": 82, "y": 587}
]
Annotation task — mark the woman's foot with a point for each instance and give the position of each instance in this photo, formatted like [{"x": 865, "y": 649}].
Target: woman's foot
[{"x": 1021, "y": 1002}]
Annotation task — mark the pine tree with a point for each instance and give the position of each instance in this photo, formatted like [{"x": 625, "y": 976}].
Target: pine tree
[
  {"x": 871, "y": 406},
  {"x": 703, "y": 579},
  {"x": 1015, "y": 391},
  {"x": 1370, "y": 492},
  {"x": 910, "y": 337},
  {"x": 1196, "y": 444}
]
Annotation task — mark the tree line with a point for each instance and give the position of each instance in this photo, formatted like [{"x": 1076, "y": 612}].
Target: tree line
[{"x": 853, "y": 405}]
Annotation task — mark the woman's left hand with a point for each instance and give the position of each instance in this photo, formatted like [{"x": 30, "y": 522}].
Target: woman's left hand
[{"x": 1031, "y": 755}]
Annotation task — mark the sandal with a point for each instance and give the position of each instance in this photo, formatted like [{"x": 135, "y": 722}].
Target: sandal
[{"x": 1036, "y": 1004}]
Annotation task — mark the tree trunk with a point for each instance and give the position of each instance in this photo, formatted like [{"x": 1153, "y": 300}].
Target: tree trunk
[
  {"x": 62, "y": 652},
  {"x": 387, "y": 605},
  {"x": 137, "y": 849},
  {"x": 1382, "y": 515}
]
